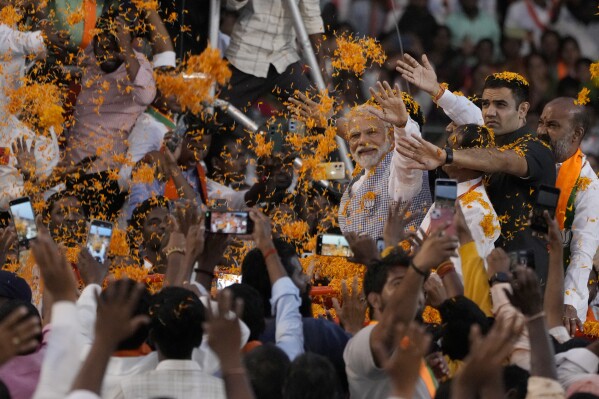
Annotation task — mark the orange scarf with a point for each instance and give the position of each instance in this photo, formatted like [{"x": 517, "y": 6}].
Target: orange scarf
[
  {"x": 89, "y": 23},
  {"x": 566, "y": 180}
]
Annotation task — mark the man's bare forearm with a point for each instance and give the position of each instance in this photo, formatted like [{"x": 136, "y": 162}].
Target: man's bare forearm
[{"x": 491, "y": 160}]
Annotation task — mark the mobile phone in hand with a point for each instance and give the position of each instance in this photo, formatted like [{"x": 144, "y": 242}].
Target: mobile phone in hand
[{"x": 23, "y": 217}]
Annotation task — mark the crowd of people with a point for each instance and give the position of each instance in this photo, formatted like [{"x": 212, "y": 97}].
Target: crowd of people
[{"x": 172, "y": 252}]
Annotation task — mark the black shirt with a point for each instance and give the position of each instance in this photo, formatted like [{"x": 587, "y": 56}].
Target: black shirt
[{"x": 513, "y": 197}]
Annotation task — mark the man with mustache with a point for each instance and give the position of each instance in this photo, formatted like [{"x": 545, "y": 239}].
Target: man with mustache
[
  {"x": 384, "y": 179},
  {"x": 565, "y": 124},
  {"x": 516, "y": 167}
]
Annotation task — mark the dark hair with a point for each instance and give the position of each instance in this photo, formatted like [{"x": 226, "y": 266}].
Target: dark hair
[
  {"x": 565, "y": 40},
  {"x": 459, "y": 314},
  {"x": 515, "y": 379},
  {"x": 476, "y": 136},
  {"x": 217, "y": 147},
  {"x": 177, "y": 315},
  {"x": 583, "y": 395},
  {"x": 4, "y": 392},
  {"x": 139, "y": 215},
  {"x": 311, "y": 376},
  {"x": 253, "y": 309},
  {"x": 9, "y": 306},
  {"x": 143, "y": 308},
  {"x": 267, "y": 366},
  {"x": 515, "y": 82},
  {"x": 376, "y": 274},
  {"x": 254, "y": 273}
]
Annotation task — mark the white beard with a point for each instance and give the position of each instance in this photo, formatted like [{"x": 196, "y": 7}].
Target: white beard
[{"x": 370, "y": 161}]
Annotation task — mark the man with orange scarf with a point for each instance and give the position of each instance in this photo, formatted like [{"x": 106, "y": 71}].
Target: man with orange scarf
[{"x": 565, "y": 124}]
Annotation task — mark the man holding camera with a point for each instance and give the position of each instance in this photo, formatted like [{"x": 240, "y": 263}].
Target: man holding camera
[
  {"x": 565, "y": 125},
  {"x": 518, "y": 164}
]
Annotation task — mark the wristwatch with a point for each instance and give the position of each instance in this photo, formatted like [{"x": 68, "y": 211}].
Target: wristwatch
[
  {"x": 449, "y": 157},
  {"x": 499, "y": 277}
]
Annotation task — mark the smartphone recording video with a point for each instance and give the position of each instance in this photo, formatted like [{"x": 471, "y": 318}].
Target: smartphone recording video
[
  {"x": 23, "y": 217},
  {"x": 547, "y": 198},
  {"x": 98, "y": 239},
  {"x": 229, "y": 222},
  {"x": 446, "y": 193},
  {"x": 332, "y": 245}
]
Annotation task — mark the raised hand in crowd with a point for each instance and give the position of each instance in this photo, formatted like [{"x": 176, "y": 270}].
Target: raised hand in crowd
[
  {"x": 482, "y": 368},
  {"x": 25, "y": 156},
  {"x": 56, "y": 271},
  {"x": 393, "y": 108},
  {"x": 398, "y": 218},
  {"x": 423, "y": 155},
  {"x": 224, "y": 335},
  {"x": 527, "y": 297},
  {"x": 421, "y": 75},
  {"x": 19, "y": 334},
  {"x": 308, "y": 109},
  {"x": 115, "y": 323},
  {"x": 435, "y": 290},
  {"x": 90, "y": 270},
  {"x": 363, "y": 247},
  {"x": 498, "y": 261},
  {"x": 353, "y": 312},
  {"x": 403, "y": 363}
]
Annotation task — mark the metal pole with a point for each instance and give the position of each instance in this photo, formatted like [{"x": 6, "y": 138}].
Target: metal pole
[
  {"x": 214, "y": 22},
  {"x": 310, "y": 57}
]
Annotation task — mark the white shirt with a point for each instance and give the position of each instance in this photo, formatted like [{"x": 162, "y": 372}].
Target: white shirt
[
  {"x": 46, "y": 156},
  {"x": 519, "y": 17},
  {"x": 574, "y": 365},
  {"x": 460, "y": 109},
  {"x": 583, "y": 244},
  {"x": 478, "y": 212},
  {"x": 404, "y": 183},
  {"x": 264, "y": 34},
  {"x": 176, "y": 379},
  {"x": 120, "y": 368},
  {"x": 15, "y": 46},
  {"x": 63, "y": 358},
  {"x": 289, "y": 330}
]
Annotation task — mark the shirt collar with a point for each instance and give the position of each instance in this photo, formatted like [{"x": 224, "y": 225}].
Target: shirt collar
[
  {"x": 464, "y": 186},
  {"x": 178, "y": 365}
]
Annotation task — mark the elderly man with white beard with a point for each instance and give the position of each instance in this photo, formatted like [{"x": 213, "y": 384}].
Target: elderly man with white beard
[{"x": 384, "y": 179}]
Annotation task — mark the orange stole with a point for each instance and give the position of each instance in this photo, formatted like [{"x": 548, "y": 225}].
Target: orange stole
[
  {"x": 89, "y": 23},
  {"x": 566, "y": 180}
]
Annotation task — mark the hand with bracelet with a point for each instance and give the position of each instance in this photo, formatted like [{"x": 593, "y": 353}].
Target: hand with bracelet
[
  {"x": 421, "y": 75},
  {"x": 435, "y": 249}
]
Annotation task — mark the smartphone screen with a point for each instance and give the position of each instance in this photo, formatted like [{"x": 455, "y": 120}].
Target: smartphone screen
[
  {"x": 332, "y": 245},
  {"x": 24, "y": 219},
  {"x": 229, "y": 222},
  {"x": 547, "y": 198},
  {"x": 446, "y": 192},
  {"x": 98, "y": 239}
]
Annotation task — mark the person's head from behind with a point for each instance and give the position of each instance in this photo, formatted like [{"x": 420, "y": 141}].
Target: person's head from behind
[
  {"x": 143, "y": 308},
  {"x": 468, "y": 136},
  {"x": 66, "y": 217},
  {"x": 106, "y": 46},
  {"x": 227, "y": 158},
  {"x": 564, "y": 125},
  {"x": 177, "y": 315},
  {"x": 13, "y": 287},
  {"x": 370, "y": 139},
  {"x": 382, "y": 278},
  {"x": 254, "y": 273},
  {"x": 253, "y": 309},
  {"x": 311, "y": 376},
  {"x": 515, "y": 380},
  {"x": 459, "y": 314},
  {"x": 267, "y": 367},
  {"x": 147, "y": 226},
  {"x": 505, "y": 102},
  {"x": 13, "y": 304}
]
